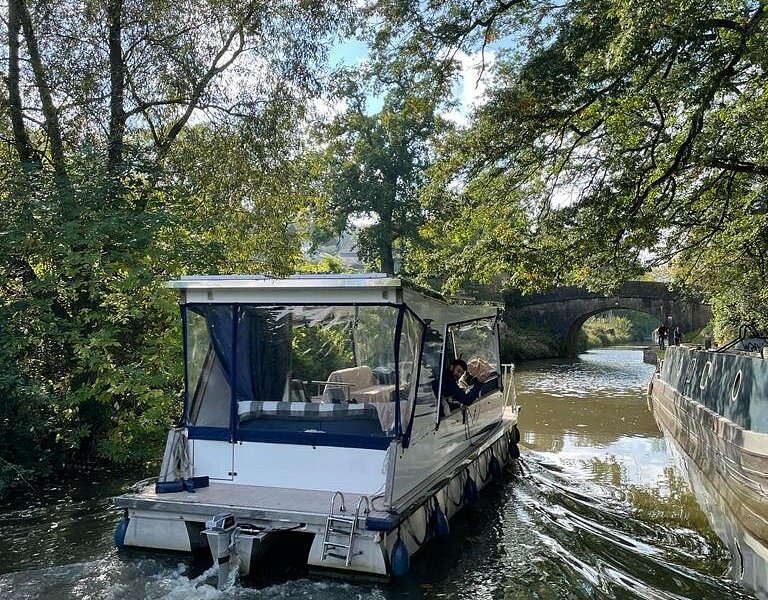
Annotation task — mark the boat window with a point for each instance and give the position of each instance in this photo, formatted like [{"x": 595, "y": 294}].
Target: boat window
[
  {"x": 476, "y": 343},
  {"x": 430, "y": 367},
  {"x": 269, "y": 361},
  {"x": 208, "y": 381},
  {"x": 409, "y": 356}
]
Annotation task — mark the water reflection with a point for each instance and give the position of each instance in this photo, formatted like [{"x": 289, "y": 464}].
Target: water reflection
[
  {"x": 728, "y": 515},
  {"x": 599, "y": 512}
]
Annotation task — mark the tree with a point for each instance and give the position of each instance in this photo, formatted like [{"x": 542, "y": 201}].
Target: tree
[
  {"x": 617, "y": 135},
  {"x": 373, "y": 165},
  {"x": 145, "y": 140}
]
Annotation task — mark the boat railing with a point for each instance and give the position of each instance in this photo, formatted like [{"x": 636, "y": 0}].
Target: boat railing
[
  {"x": 508, "y": 375},
  {"x": 342, "y": 507}
]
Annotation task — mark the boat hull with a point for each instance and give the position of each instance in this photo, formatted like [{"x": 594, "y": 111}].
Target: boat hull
[
  {"x": 176, "y": 521},
  {"x": 726, "y": 463}
]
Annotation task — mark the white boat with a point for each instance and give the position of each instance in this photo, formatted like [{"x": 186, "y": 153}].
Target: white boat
[{"x": 318, "y": 407}]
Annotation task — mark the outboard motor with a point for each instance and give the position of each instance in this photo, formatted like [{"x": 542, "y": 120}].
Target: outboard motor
[{"x": 219, "y": 532}]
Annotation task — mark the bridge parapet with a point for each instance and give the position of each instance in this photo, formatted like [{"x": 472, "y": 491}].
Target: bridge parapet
[{"x": 631, "y": 289}]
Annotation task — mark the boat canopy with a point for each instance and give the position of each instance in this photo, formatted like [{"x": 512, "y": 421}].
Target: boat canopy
[{"x": 339, "y": 360}]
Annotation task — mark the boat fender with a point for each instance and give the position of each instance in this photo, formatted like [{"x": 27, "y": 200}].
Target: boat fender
[
  {"x": 494, "y": 468},
  {"x": 515, "y": 434},
  {"x": 120, "y": 531},
  {"x": 513, "y": 450},
  {"x": 439, "y": 524},
  {"x": 168, "y": 487},
  {"x": 401, "y": 561},
  {"x": 470, "y": 491}
]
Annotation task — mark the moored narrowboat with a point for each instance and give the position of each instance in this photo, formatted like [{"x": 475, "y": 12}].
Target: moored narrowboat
[{"x": 712, "y": 406}]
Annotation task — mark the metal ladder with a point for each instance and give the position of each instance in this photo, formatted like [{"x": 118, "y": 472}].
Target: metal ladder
[{"x": 339, "y": 525}]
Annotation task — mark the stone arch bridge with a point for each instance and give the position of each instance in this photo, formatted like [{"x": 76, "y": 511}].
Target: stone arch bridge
[{"x": 562, "y": 311}]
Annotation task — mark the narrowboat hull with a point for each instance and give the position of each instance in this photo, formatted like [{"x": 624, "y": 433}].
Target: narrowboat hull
[{"x": 712, "y": 407}]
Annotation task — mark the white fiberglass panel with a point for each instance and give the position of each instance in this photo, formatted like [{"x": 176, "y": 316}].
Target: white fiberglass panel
[
  {"x": 304, "y": 467},
  {"x": 429, "y": 451},
  {"x": 485, "y": 412},
  {"x": 212, "y": 458}
]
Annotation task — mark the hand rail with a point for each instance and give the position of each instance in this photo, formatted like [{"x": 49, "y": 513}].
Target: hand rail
[
  {"x": 342, "y": 508},
  {"x": 359, "y": 504}
]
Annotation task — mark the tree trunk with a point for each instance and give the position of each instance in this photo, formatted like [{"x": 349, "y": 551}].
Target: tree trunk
[
  {"x": 117, "y": 87},
  {"x": 387, "y": 256},
  {"x": 27, "y": 154},
  {"x": 50, "y": 114}
]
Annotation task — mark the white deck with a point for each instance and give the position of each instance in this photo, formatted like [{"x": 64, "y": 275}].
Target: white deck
[{"x": 249, "y": 502}]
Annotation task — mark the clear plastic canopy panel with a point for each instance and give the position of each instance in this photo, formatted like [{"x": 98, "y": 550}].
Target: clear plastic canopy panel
[{"x": 343, "y": 370}]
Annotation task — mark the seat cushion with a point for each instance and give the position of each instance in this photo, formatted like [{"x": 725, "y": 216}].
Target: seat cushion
[{"x": 310, "y": 411}]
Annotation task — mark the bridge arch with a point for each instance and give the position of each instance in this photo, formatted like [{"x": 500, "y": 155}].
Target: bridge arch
[
  {"x": 562, "y": 311},
  {"x": 572, "y": 337}
]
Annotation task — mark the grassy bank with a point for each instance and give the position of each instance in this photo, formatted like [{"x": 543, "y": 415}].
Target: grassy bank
[{"x": 521, "y": 341}]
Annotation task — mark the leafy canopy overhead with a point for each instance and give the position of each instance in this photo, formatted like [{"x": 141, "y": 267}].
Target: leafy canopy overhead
[{"x": 617, "y": 135}]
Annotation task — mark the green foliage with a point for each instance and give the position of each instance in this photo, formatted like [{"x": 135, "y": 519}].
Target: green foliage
[
  {"x": 172, "y": 149},
  {"x": 318, "y": 351},
  {"x": 520, "y": 341},
  {"x": 606, "y": 331},
  {"x": 616, "y": 136},
  {"x": 618, "y": 327},
  {"x": 371, "y": 166},
  {"x": 328, "y": 264}
]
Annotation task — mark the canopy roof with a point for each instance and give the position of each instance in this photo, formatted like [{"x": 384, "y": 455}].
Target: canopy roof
[{"x": 376, "y": 288}]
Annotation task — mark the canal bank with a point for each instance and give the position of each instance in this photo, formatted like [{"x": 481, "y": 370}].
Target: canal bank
[{"x": 600, "y": 512}]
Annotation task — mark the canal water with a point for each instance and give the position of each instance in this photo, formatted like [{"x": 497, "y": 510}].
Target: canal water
[{"x": 599, "y": 511}]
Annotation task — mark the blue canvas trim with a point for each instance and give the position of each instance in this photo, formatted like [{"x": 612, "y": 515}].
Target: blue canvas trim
[
  {"x": 387, "y": 523},
  {"x": 185, "y": 414},
  {"x": 315, "y": 439},
  {"x": 398, "y": 334},
  {"x": 233, "y": 384},
  {"x": 209, "y": 433}
]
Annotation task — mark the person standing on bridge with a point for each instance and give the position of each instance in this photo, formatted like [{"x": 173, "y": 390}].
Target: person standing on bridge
[{"x": 677, "y": 336}]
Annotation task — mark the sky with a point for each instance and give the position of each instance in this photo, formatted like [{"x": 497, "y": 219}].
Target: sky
[{"x": 469, "y": 89}]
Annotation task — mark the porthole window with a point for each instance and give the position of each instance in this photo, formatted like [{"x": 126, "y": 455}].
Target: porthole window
[
  {"x": 736, "y": 388},
  {"x": 705, "y": 375}
]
